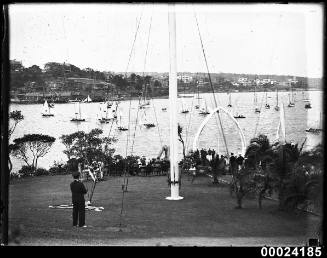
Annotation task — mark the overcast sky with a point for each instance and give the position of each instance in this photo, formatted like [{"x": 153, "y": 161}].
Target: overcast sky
[{"x": 257, "y": 39}]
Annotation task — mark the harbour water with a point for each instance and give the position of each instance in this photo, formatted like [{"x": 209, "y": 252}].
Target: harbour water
[{"x": 139, "y": 140}]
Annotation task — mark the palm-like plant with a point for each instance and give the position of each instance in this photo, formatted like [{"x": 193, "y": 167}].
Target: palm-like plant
[
  {"x": 304, "y": 185},
  {"x": 260, "y": 155},
  {"x": 284, "y": 159}
]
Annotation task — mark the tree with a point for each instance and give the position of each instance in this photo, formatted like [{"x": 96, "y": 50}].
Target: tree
[
  {"x": 119, "y": 81},
  {"x": 157, "y": 84},
  {"x": 17, "y": 117},
  {"x": 305, "y": 183},
  {"x": 32, "y": 145},
  {"x": 88, "y": 146},
  {"x": 180, "y": 138},
  {"x": 54, "y": 70},
  {"x": 285, "y": 157}
]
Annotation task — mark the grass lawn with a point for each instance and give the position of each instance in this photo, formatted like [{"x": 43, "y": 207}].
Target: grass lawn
[{"x": 206, "y": 215}]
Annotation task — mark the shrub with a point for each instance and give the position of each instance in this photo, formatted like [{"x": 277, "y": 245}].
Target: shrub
[
  {"x": 58, "y": 168},
  {"x": 14, "y": 175},
  {"x": 41, "y": 172},
  {"x": 26, "y": 171}
]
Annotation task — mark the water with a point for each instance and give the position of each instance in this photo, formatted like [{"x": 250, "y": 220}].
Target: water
[{"x": 148, "y": 142}]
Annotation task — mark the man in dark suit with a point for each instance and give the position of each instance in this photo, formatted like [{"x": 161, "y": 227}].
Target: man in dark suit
[
  {"x": 78, "y": 190},
  {"x": 232, "y": 163}
]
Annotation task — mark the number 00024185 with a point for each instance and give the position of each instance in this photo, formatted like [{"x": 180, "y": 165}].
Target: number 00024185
[{"x": 305, "y": 251}]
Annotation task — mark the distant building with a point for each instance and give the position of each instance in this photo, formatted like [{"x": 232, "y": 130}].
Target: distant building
[
  {"x": 242, "y": 80},
  {"x": 185, "y": 78},
  {"x": 202, "y": 83},
  {"x": 87, "y": 83}
]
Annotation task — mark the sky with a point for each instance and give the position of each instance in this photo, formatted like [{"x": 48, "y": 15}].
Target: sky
[{"x": 248, "y": 38}]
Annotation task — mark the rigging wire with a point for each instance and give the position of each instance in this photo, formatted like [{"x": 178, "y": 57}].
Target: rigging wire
[
  {"x": 125, "y": 182},
  {"x": 188, "y": 127},
  {"x": 135, "y": 36},
  {"x": 213, "y": 92},
  {"x": 136, "y": 122},
  {"x": 155, "y": 115},
  {"x": 258, "y": 119}
]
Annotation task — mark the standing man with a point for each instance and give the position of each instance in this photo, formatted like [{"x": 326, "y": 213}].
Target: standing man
[
  {"x": 239, "y": 161},
  {"x": 232, "y": 163},
  {"x": 78, "y": 190}
]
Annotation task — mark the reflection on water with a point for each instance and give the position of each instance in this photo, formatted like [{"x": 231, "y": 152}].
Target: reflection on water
[{"x": 148, "y": 142}]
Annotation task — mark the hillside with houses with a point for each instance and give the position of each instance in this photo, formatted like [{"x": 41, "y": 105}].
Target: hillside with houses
[{"x": 62, "y": 82}]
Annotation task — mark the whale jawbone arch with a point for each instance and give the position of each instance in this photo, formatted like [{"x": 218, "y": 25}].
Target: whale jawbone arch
[{"x": 206, "y": 120}]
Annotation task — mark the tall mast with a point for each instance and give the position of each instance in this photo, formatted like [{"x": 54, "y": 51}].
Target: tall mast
[
  {"x": 174, "y": 169},
  {"x": 277, "y": 96},
  {"x": 79, "y": 110}
]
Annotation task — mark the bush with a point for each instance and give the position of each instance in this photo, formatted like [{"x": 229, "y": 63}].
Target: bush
[
  {"x": 41, "y": 172},
  {"x": 14, "y": 175},
  {"x": 58, "y": 168},
  {"x": 26, "y": 171}
]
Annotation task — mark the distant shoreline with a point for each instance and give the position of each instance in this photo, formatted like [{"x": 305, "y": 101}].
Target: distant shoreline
[{"x": 163, "y": 96}]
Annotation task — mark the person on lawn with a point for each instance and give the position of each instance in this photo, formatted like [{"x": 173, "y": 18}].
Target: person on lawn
[{"x": 78, "y": 190}]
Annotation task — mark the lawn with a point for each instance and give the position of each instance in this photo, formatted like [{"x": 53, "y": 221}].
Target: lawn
[{"x": 206, "y": 215}]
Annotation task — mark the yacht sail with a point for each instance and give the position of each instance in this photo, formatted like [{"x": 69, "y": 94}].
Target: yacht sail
[
  {"x": 229, "y": 100},
  {"x": 267, "y": 106},
  {"x": 46, "y": 112},
  {"x": 88, "y": 99},
  {"x": 318, "y": 128},
  {"x": 78, "y": 113},
  {"x": 291, "y": 98},
  {"x": 204, "y": 108},
  {"x": 184, "y": 107},
  {"x": 121, "y": 122},
  {"x": 277, "y": 107},
  {"x": 197, "y": 106},
  {"x": 256, "y": 108}
]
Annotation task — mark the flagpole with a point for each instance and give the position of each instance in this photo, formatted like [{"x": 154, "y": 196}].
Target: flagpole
[{"x": 174, "y": 169}]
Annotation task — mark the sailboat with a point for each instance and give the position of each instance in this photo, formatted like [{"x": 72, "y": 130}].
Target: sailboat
[
  {"x": 204, "y": 109},
  {"x": 317, "y": 129},
  {"x": 145, "y": 122},
  {"x": 291, "y": 98},
  {"x": 307, "y": 105},
  {"x": 105, "y": 114},
  {"x": 46, "y": 110},
  {"x": 121, "y": 126},
  {"x": 305, "y": 99},
  {"x": 197, "y": 106},
  {"x": 88, "y": 99},
  {"x": 78, "y": 114},
  {"x": 184, "y": 108},
  {"x": 256, "y": 109},
  {"x": 144, "y": 101},
  {"x": 267, "y": 106},
  {"x": 229, "y": 100},
  {"x": 277, "y": 107}
]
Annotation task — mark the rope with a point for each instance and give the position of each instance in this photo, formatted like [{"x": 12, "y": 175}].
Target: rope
[
  {"x": 155, "y": 115},
  {"x": 188, "y": 126},
  {"x": 213, "y": 92},
  {"x": 130, "y": 54},
  {"x": 136, "y": 121},
  {"x": 129, "y": 116},
  {"x": 258, "y": 119}
]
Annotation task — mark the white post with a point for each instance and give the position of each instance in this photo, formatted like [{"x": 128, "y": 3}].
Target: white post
[{"x": 174, "y": 169}]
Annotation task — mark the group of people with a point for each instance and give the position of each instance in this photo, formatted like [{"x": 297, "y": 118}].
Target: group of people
[
  {"x": 218, "y": 163},
  {"x": 144, "y": 167}
]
